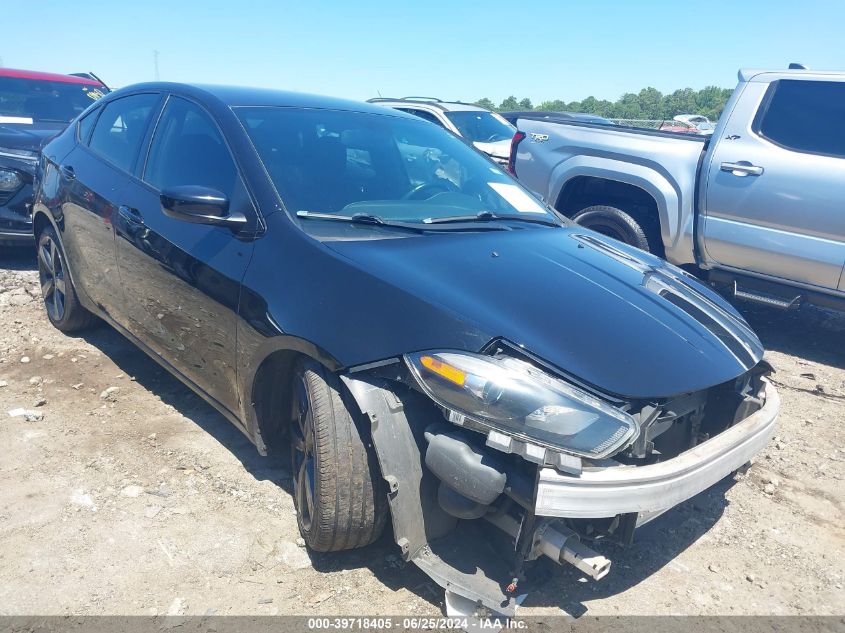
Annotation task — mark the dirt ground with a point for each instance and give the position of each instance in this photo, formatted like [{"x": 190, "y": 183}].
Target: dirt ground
[{"x": 143, "y": 500}]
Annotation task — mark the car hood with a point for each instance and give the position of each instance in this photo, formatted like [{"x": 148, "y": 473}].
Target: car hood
[
  {"x": 499, "y": 149},
  {"x": 29, "y": 136},
  {"x": 603, "y": 313}
]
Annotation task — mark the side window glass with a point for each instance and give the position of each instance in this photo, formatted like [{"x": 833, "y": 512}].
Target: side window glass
[
  {"x": 423, "y": 114},
  {"x": 806, "y": 116},
  {"x": 119, "y": 131},
  {"x": 188, "y": 149},
  {"x": 86, "y": 125}
]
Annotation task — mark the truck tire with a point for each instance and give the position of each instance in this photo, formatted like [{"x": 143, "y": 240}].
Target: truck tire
[
  {"x": 60, "y": 301},
  {"x": 614, "y": 223},
  {"x": 340, "y": 497}
]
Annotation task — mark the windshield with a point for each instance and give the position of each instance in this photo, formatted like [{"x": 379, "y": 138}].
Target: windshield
[
  {"x": 481, "y": 126},
  {"x": 395, "y": 168},
  {"x": 41, "y": 100}
]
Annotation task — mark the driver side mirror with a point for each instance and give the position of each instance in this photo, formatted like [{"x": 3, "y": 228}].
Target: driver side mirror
[{"x": 199, "y": 205}]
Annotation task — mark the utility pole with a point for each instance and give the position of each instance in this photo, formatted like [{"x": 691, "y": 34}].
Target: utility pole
[{"x": 155, "y": 64}]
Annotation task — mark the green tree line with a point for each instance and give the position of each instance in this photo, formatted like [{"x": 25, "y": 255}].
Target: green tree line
[{"x": 649, "y": 103}]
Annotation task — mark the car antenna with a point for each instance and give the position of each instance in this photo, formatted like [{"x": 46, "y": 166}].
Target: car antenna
[{"x": 797, "y": 66}]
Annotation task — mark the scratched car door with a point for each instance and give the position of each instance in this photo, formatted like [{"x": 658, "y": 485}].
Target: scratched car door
[{"x": 182, "y": 280}]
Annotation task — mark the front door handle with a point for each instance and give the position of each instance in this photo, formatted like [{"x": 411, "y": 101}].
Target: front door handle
[
  {"x": 742, "y": 168},
  {"x": 68, "y": 172},
  {"x": 130, "y": 214}
]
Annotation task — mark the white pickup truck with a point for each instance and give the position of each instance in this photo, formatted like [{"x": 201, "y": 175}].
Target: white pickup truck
[{"x": 759, "y": 207}]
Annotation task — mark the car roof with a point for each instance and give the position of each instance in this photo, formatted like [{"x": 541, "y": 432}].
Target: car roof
[
  {"x": 446, "y": 106},
  {"x": 763, "y": 75},
  {"x": 463, "y": 107},
  {"x": 240, "y": 96},
  {"x": 40, "y": 76}
]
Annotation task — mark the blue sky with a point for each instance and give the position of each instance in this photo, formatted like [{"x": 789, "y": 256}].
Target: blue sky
[{"x": 456, "y": 49}]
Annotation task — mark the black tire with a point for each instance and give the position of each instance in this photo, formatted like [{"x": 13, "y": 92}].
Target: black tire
[
  {"x": 60, "y": 299},
  {"x": 340, "y": 497},
  {"x": 614, "y": 223}
]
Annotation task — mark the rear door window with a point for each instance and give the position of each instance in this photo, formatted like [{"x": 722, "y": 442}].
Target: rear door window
[
  {"x": 119, "y": 132},
  {"x": 86, "y": 124},
  {"x": 804, "y": 116}
]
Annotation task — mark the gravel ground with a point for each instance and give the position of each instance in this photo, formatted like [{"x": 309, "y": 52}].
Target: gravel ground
[{"x": 123, "y": 493}]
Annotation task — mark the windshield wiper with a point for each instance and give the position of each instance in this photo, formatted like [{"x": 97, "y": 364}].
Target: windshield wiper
[
  {"x": 362, "y": 218},
  {"x": 417, "y": 227},
  {"x": 489, "y": 216}
]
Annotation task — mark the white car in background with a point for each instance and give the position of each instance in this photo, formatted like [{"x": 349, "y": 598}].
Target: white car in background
[
  {"x": 486, "y": 130},
  {"x": 699, "y": 122}
]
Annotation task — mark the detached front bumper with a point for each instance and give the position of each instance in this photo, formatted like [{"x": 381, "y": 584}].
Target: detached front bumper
[{"x": 650, "y": 490}]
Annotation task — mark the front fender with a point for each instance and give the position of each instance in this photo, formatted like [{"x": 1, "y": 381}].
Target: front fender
[{"x": 256, "y": 346}]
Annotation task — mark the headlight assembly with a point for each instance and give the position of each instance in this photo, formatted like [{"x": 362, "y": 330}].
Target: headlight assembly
[
  {"x": 9, "y": 180},
  {"x": 515, "y": 397}
]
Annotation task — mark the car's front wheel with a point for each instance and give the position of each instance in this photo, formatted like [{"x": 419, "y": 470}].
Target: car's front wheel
[
  {"x": 339, "y": 495},
  {"x": 60, "y": 299}
]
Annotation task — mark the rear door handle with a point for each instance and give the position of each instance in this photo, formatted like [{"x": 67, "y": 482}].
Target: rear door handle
[
  {"x": 130, "y": 214},
  {"x": 742, "y": 168},
  {"x": 68, "y": 172}
]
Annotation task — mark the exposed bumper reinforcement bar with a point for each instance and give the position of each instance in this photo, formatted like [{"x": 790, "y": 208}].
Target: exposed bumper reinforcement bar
[{"x": 606, "y": 492}]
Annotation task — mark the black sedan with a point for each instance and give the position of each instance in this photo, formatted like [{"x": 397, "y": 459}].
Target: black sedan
[{"x": 431, "y": 340}]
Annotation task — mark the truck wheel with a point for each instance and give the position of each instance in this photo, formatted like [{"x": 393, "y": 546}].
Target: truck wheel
[
  {"x": 339, "y": 495},
  {"x": 614, "y": 223},
  {"x": 60, "y": 300}
]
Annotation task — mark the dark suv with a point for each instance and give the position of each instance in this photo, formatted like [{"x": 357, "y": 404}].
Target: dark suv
[
  {"x": 34, "y": 107},
  {"x": 425, "y": 334}
]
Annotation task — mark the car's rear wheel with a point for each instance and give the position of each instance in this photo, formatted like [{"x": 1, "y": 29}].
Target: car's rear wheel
[
  {"x": 614, "y": 223},
  {"x": 339, "y": 495},
  {"x": 60, "y": 299}
]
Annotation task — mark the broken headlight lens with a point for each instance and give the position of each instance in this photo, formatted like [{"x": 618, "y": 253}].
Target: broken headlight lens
[{"x": 515, "y": 397}]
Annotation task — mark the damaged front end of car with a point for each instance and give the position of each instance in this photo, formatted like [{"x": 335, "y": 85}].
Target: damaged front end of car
[{"x": 494, "y": 459}]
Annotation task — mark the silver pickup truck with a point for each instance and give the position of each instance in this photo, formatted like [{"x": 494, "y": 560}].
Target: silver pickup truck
[{"x": 759, "y": 207}]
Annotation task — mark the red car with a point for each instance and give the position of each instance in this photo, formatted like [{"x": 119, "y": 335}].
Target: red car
[
  {"x": 34, "y": 107},
  {"x": 678, "y": 126}
]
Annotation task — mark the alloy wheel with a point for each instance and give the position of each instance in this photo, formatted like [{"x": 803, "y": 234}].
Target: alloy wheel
[
  {"x": 302, "y": 455},
  {"x": 52, "y": 275}
]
